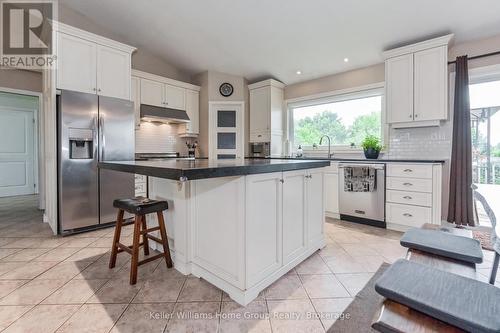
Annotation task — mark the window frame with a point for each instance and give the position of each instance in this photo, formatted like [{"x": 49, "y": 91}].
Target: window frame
[{"x": 366, "y": 91}]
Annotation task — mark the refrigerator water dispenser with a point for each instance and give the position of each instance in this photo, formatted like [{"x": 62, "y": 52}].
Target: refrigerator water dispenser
[{"x": 81, "y": 143}]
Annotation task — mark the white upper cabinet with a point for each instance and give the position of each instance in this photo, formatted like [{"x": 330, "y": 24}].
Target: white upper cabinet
[
  {"x": 266, "y": 110},
  {"x": 175, "y": 97},
  {"x": 92, "y": 64},
  {"x": 431, "y": 84},
  {"x": 167, "y": 93},
  {"x": 76, "y": 61},
  {"x": 193, "y": 111},
  {"x": 399, "y": 88},
  {"x": 135, "y": 95},
  {"x": 113, "y": 72},
  {"x": 152, "y": 93},
  {"x": 417, "y": 83}
]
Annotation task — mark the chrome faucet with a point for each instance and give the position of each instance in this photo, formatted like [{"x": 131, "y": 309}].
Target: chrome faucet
[{"x": 329, "y": 145}]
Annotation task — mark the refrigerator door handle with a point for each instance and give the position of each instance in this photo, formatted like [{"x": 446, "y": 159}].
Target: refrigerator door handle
[{"x": 102, "y": 141}]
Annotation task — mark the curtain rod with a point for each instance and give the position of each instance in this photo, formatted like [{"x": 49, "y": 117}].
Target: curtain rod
[{"x": 478, "y": 56}]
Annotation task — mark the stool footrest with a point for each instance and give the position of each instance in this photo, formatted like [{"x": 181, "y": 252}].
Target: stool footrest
[
  {"x": 144, "y": 261},
  {"x": 149, "y": 230},
  {"x": 156, "y": 239},
  {"x": 125, "y": 248}
]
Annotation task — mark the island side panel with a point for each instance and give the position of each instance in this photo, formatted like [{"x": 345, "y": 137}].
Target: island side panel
[
  {"x": 218, "y": 229},
  {"x": 177, "y": 218}
]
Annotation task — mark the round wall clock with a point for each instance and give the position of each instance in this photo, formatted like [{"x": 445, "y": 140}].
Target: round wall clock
[{"x": 226, "y": 89}]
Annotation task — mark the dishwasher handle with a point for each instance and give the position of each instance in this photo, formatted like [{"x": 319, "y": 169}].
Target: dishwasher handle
[{"x": 362, "y": 165}]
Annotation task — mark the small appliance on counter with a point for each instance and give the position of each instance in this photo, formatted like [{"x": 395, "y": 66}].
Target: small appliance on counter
[
  {"x": 260, "y": 149},
  {"x": 192, "y": 149}
]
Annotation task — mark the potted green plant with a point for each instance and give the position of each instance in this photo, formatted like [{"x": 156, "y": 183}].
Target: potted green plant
[{"x": 371, "y": 147}]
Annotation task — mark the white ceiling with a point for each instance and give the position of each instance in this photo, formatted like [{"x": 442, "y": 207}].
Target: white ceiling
[{"x": 275, "y": 38}]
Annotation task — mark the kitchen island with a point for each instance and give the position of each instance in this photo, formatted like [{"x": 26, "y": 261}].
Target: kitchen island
[{"x": 239, "y": 224}]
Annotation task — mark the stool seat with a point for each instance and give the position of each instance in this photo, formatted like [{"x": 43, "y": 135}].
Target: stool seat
[{"x": 140, "y": 205}]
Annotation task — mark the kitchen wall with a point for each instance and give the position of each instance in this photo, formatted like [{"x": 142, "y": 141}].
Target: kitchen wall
[
  {"x": 154, "y": 137},
  {"x": 210, "y": 82},
  {"x": 21, "y": 79}
]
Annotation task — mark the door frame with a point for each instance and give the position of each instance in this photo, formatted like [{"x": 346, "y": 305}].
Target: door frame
[
  {"x": 38, "y": 144},
  {"x": 240, "y": 127}
]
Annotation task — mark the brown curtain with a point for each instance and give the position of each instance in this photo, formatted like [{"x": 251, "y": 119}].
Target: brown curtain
[{"x": 460, "y": 209}]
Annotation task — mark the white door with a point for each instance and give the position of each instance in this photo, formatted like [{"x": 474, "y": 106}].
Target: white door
[
  {"x": 431, "y": 75},
  {"x": 76, "y": 64},
  {"x": 315, "y": 208},
  {"x": 175, "y": 97},
  {"x": 294, "y": 228},
  {"x": 263, "y": 226},
  {"x": 399, "y": 89},
  {"x": 152, "y": 93},
  {"x": 226, "y": 130},
  {"x": 113, "y": 72},
  {"x": 16, "y": 152}
]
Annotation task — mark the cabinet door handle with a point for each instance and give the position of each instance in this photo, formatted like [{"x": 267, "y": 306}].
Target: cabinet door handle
[
  {"x": 407, "y": 184},
  {"x": 407, "y": 215},
  {"x": 407, "y": 197},
  {"x": 99, "y": 90},
  {"x": 416, "y": 115},
  {"x": 282, "y": 181},
  {"x": 260, "y": 135},
  {"x": 411, "y": 116},
  {"x": 94, "y": 89},
  {"x": 407, "y": 170}
]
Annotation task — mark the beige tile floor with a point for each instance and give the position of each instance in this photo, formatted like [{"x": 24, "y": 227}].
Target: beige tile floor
[{"x": 63, "y": 284}]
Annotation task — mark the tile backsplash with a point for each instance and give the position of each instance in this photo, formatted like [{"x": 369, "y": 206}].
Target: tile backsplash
[
  {"x": 159, "y": 138},
  {"x": 421, "y": 142}
]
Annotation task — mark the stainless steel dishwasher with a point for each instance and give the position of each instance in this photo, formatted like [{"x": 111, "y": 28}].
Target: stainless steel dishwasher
[{"x": 363, "y": 207}]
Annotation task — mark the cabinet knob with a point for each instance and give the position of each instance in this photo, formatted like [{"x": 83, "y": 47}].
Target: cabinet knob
[
  {"x": 416, "y": 115},
  {"x": 93, "y": 89},
  {"x": 407, "y": 215},
  {"x": 407, "y": 197},
  {"x": 411, "y": 116},
  {"x": 99, "y": 90},
  {"x": 282, "y": 181}
]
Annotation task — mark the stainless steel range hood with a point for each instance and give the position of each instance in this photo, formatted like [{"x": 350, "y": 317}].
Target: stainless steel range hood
[{"x": 164, "y": 115}]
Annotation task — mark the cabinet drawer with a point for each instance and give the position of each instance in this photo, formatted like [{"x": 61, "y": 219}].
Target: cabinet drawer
[
  {"x": 409, "y": 170},
  {"x": 140, "y": 178},
  {"x": 260, "y": 137},
  {"x": 410, "y": 198},
  {"x": 412, "y": 216},
  {"x": 140, "y": 187},
  {"x": 409, "y": 184}
]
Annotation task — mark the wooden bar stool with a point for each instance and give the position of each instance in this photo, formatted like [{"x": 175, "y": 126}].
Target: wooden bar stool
[{"x": 140, "y": 206}]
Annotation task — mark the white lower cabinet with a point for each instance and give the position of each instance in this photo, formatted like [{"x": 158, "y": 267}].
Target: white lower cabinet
[
  {"x": 242, "y": 233},
  {"x": 331, "y": 188},
  {"x": 315, "y": 207},
  {"x": 294, "y": 210},
  {"x": 413, "y": 195},
  {"x": 264, "y": 230}
]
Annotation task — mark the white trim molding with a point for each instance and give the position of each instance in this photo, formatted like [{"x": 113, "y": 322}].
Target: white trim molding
[
  {"x": 70, "y": 30},
  {"x": 162, "y": 79},
  {"x": 415, "y": 47}
]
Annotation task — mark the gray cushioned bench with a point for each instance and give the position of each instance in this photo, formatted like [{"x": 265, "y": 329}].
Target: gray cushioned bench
[
  {"x": 443, "y": 244},
  {"x": 465, "y": 303}
]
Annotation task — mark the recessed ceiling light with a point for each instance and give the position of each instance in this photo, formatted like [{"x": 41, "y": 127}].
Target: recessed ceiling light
[
  {"x": 298, "y": 72},
  {"x": 346, "y": 59}
]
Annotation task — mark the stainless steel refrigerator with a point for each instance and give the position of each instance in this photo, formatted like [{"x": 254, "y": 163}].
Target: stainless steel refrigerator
[{"x": 92, "y": 128}]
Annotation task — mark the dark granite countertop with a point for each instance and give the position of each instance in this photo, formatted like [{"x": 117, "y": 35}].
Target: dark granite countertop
[
  {"x": 360, "y": 160},
  {"x": 204, "y": 168}
]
